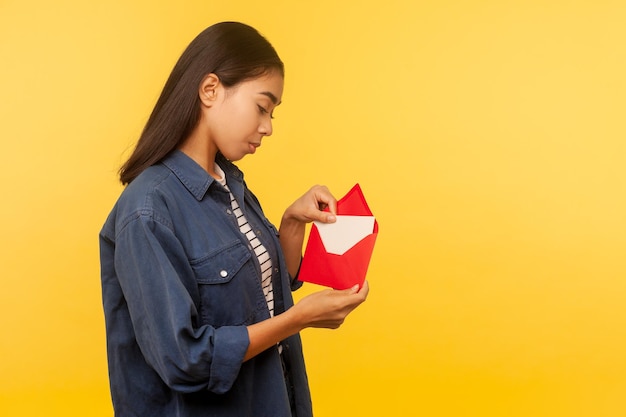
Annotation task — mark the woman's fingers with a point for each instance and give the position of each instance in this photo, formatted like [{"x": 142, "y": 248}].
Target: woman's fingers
[
  {"x": 329, "y": 308},
  {"x": 310, "y": 207}
]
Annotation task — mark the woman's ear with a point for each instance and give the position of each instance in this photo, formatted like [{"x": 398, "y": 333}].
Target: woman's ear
[{"x": 208, "y": 89}]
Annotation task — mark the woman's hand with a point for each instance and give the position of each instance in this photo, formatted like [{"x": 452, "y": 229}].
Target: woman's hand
[
  {"x": 328, "y": 308},
  {"x": 310, "y": 207},
  {"x": 324, "y": 309}
]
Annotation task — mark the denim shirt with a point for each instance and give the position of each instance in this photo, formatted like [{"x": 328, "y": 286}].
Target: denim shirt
[{"x": 180, "y": 283}]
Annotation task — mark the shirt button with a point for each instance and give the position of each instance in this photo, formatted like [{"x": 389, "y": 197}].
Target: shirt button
[
  {"x": 228, "y": 211},
  {"x": 223, "y": 273}
]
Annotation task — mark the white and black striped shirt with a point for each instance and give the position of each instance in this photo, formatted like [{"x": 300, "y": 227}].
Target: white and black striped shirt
[{"x": 263, "y": 256}]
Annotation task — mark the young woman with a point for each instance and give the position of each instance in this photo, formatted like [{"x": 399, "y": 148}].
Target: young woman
[{"x": 196, "y": 282}]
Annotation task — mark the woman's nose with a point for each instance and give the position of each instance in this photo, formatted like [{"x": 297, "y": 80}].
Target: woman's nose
[{"x": 266, "y": 127}]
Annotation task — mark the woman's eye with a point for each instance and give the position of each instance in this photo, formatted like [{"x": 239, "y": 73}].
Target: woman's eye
[{"x": 264, "y": 111}]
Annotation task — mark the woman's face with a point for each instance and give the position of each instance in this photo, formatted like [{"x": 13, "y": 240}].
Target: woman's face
[{"x": 241, "y": 116}]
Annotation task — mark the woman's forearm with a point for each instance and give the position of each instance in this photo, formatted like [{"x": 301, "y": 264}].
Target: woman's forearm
[
  {"x": 291, "y": 241},
  {"x": 268, "y": 333}
]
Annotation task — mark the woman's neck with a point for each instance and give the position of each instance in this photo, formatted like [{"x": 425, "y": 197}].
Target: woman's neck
[{"x": 202, "y": 150}]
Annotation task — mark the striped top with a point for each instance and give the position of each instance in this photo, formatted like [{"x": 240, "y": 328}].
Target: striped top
[{"x": 265, "y": 262}]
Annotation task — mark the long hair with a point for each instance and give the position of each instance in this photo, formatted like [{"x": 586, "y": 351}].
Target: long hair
[{"x": 233, "y": 51}]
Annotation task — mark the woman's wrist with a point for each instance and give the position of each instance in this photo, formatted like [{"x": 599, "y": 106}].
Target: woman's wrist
[
  {"x": 290, "y": 224},
  {"x": 295, "y": 319}
]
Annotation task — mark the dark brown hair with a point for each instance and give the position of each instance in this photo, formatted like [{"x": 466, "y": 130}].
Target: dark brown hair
[{"x": 233, "y": 51}]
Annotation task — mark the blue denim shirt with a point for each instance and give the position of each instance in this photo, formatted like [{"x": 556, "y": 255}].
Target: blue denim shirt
[{"x": 180, "y": 283}]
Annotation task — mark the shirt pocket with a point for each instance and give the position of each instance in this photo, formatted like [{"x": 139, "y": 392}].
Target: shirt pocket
[{"x": 227, "y": 283}]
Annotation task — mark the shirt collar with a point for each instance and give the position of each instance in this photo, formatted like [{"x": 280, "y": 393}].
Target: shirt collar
[
  {"x": 189, "y": 173},
  {"x": 229, "y": 168},
  {"x": 193, "y": 176}
]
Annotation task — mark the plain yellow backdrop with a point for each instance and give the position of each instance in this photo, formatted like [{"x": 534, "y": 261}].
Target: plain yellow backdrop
[{"x": 488, "y": 137}]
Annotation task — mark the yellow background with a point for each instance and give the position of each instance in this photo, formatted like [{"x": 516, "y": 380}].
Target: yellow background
[{"x": 488, "y": 137}]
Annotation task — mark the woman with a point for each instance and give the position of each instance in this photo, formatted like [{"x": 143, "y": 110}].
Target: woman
[{"x": 196, "y": 282}]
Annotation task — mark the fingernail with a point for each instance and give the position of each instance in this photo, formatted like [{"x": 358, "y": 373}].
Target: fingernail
[{"x": 331, "y": 218}]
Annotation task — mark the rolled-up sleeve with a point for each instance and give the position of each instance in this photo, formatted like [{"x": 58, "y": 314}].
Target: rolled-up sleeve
[{"x": 160, "y": 290}]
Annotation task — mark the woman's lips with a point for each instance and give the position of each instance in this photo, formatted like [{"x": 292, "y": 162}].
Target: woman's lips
[{"x": 253, "y": 147}]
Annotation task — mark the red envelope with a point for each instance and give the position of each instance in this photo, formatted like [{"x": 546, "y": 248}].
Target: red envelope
[{"x": 337, "y": 255}]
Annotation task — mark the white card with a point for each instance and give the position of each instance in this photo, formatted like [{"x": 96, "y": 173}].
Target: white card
[{"x": 346, "y": 232}]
